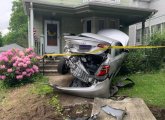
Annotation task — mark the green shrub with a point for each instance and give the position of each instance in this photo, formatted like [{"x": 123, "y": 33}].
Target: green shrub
[
  {"x": 146, "y": 60},
  {"x": 134, "y": 62},
  {"x": 154, "y": 57}
]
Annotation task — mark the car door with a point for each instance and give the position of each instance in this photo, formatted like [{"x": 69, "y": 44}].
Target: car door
[{"x": 118, "y": 57}]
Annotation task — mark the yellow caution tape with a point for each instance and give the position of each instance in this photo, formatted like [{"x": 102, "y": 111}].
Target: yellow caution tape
[{"x": 101, "y": 49}]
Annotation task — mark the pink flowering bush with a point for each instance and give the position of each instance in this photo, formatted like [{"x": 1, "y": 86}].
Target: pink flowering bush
[{"x": 17, "y": 66}]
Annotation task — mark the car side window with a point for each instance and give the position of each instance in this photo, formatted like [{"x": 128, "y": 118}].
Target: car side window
[{"x": 118, "y": 51}]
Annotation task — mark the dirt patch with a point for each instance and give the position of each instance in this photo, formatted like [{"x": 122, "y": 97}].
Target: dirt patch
[
  {"x": 159, "y": 113},
  {"x": 20, "y": 104},
  {"x": 77, "y": 111}
]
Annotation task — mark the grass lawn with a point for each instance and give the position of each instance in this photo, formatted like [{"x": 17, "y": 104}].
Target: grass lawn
[
  {"x": 2, "y": 92},
  {"x": 150, "y": 87}
]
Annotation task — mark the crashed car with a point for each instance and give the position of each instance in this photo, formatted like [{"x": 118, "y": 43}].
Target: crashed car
[{"x": 93, "y": 61}]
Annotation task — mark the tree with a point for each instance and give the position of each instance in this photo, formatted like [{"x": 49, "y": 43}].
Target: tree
[
  {"x": 1, "y": 40},
  {"x": 18, "y": 25}
]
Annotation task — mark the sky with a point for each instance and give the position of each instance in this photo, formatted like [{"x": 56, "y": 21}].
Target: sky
[{"x": 5, "y": 11}]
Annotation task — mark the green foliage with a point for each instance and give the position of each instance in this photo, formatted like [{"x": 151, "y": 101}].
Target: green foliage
[
  {"x": 2, "y": 91},
  {"x": 156, "y": 56},
  {"x": 1, "y": 40},
  {"x": 18, "y": 25},
  {"x": 146, "y": 60},
  {"x": 12, "y": 84},
  {"x": 149, "y": 87},
  {"x": 56, "y": 103},
  {"x": 134, "y": 62},
  {"x": 41, "y": 86}
]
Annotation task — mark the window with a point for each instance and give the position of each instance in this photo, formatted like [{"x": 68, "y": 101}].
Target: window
[
  {"x": 113, "y": 24},
  {"x": 101, "y": 24},
  {"x": 158, "y": 28},
  {"x": 138, "y": 35},
  {"x": 155, "y": 28},
  {"x": 163, "y": 27},
  {"x": 146, "y": 33},
  {"x": 89, "y": 26},
  {"x": 118, "y": 51},
  {"x": 52, "y": 34}
]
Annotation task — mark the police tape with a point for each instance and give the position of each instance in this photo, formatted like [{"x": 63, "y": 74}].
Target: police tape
[{"x": 101, "y": 49}]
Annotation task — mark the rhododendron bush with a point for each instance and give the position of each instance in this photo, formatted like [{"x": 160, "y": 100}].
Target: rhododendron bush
[{"x": 16, "y": 65}]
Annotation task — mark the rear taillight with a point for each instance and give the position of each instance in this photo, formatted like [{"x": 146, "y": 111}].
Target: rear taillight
[
  {"x": 102, "y": 46},
  {"x": 104, "y": 70}
]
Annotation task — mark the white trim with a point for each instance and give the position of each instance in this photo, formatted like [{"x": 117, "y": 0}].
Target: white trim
[
  {"x": 29, "y": 41},
  {"x": 58, "y": 35},
  {"x": 31, "y": 25}
]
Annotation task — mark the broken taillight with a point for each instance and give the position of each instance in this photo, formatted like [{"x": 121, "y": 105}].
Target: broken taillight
[
  {"x": 104, "y": 70},
  {"x": 102, "y": 46}
]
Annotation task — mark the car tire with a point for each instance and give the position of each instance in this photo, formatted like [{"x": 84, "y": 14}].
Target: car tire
[{"x": 62, "y": 67}]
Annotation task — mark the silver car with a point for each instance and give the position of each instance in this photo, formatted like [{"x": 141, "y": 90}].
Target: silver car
[{"x": 93, "y": 62}]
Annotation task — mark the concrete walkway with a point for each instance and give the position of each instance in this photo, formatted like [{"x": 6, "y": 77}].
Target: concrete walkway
[{"x": 135, "y": 108}]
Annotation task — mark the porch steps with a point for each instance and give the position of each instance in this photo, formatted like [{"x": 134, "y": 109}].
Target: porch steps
[{"x": 49, "y": 68}]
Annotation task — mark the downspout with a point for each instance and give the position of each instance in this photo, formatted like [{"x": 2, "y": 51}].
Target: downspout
[{"x": 31, "y": 25}]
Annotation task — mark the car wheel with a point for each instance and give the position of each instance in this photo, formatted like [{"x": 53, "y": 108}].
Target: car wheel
[{"x": 62, "y": 67}]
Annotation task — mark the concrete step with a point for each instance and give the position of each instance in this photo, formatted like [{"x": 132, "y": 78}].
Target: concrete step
[
  {"x": 50, "y": 61},
  {"x": 53, "y": 57},
  {"x": 49, "y": 72},
  {"x": 49, "y": 66}
]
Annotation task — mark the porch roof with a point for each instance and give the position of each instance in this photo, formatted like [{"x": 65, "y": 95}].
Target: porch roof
[{"x": 127, "y": 15}]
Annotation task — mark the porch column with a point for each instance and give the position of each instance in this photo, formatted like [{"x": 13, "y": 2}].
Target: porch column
[
  {"x": 29, "y": 41},
  {"x": 143, "y": 28},
  {"x": 31, "y": 25}
]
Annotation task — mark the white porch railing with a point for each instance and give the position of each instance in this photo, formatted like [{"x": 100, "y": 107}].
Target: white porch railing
[{"x": 39, "y": 46}]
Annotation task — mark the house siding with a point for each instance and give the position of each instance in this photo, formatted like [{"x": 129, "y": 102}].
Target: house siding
[
  {"x": 157, "y": 19},
  {"x": 66, "y": 2},
  {"x": 38, "y": 25},
  {"x": 133, "y": 3},
  {"x": 70, "y": 25},
  {"x": 67, "y": 25}
]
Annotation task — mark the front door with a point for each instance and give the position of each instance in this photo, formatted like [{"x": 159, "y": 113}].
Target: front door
[{"x": 52, "y": 43}]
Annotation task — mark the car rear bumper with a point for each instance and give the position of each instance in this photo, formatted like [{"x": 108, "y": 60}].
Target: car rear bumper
[{"x": 100, "y": 89}]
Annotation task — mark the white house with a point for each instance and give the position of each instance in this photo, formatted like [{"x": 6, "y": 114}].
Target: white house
[
  {"x": 50, "y": 19},
  {"x": 155, "y": 23}
]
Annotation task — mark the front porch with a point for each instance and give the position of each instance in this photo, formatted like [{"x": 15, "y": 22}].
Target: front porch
[{"x": 49, "y": 23}]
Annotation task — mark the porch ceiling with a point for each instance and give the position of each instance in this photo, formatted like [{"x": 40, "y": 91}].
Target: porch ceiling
[{"x": 127, "y": 15}]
